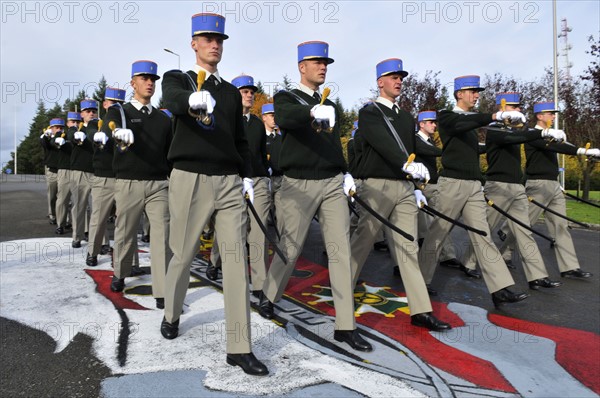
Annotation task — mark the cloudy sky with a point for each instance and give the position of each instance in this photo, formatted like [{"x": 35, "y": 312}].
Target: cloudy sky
[{"x": 51, "y": 50}]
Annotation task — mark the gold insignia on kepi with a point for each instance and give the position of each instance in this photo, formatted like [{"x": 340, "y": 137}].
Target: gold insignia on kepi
[{"x": 217, "y": 24}]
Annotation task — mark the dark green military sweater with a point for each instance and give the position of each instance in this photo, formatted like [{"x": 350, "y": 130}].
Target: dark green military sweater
[
  {"x": 542, "y": 162},
  {"x": 64, "y": 152},
  {"x": 274, "y": 151},
  {"x": 306, "y": 154},
  {"x": 146, "y": 158},
  {"x": 427, "y": 153},
  {"x": 351, "y": 155},
  {"x": 50, "y": 153},
  {"x": 257, "y": 143},
  {"x": 381, "y": 155},
  {"x": 103, "y": 158},
  {"x": 460, "y": 153},
  {"x": 219, "y": 150},
  {"x": 358, "y": 150},
  {"x": 503, "y": 152},
  {"x": 81, "y": 154}
]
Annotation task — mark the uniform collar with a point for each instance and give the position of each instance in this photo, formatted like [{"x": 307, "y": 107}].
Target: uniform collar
[
  {"x": 423, "y": 135},
  {"x": 386, "y": 102},
  {"x": 197, "y": 68},
  {"x": 307, "y": 90},
  {"x": 138, "y": 105}
]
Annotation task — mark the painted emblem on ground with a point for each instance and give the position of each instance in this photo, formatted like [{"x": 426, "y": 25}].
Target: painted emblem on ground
[{"x": 485, "y": 354}]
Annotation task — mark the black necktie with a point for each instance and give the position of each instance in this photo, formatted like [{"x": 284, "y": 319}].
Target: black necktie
[
  {"x": 317, "y": 96},
  {"x": 212, "y": 81},
  {"x": 145, "y": 110},
  {"x": 396, "y": 109},
  {"x": 429, "y": 140},
  {"x": 272, "y": 135}
]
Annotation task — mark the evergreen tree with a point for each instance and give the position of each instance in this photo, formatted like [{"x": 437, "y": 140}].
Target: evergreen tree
[{"x": 99, "y": 96}]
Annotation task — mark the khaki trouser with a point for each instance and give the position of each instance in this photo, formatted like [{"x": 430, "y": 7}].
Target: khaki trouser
[
  {"x": 300, "y": 200},
  {"x": 132, "y": 198},
  {"x": 81, "y": 188},
  {"x": 425, "y": 220},
  {"x": 193, "y": 200},
  {"x": 63, "y": 196},
  {"x": 549, "y": 194},
  {"x": 394, "y": 200},
  {"x": 464, "y": 197},
  {"x": 512, "y": 199},
  {"x": 52, "y": 190},
  {"x": 103, "y": 200},
  {"x": 276, "y": 182}
]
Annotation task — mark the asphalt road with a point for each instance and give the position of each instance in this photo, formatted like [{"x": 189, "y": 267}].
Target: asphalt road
[{"x": 30, "y": 368}]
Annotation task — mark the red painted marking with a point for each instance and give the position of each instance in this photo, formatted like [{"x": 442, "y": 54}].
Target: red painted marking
[
  {"x": 466, "y": 366},
  {"x": 576, "y": 351},
  {"x": 103, "y": 280}
]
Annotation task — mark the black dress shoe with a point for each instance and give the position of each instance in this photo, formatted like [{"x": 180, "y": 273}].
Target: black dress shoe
[
  {"x": 248, "y": 363},
  {"x": 381, "y": 246},
  {"x": 68, "y": 226},
  {"x": 543, "y": 282},
  {"x": 91, "y": 261},
  {"x": 146, "y": 238},
  {"x": 105, "y": 249},
  {"x": 510, "y": 264},
  {"x": 52, "y": 221},
  {"x": 354, "y": 339},
  {"x": 137, "y": 271},
  {"x": 212, "y": 272},
  {"x": 506, "y": 296},
  {"x": 59, "y": 231},
  {"x": 169, "y": 330},
  {"x": 256, "y": 293},
  {"x": 471, "y": 273},
  {"x": 431, "y": 291},
  {"x": 160, "y": 303},
  {"x": 117, "y": 285},
  {"x": 451, "y": 263},
  {"x": 86, "y": 236},
  {"x": 501, "y": 235},
  {"x": 396, "y": 271},
  {"x": 76, "y": 244},
  {"x": 265, "y": 307},
  {"x": 576, "y": 273},
  {"x": 427, "y": 320}
]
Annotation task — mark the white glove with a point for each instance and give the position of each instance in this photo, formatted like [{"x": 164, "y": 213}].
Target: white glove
[
  {"x": 420, "y": 198},
  {"x": 248, "y": 189},
  {"x": 512, "y": 116},
  {"x": 202, "y": 100},
  {"x": 349, "y": 185},
  {"x": 595, "y": 152},
  {"x": 124, "y": 135},
  {"x": 60, "y": 141},
  {"x": 322, "y": 113},
  {"x": 100, "y": 137},
  {"x": 557, "y": 135},
  {"x": 48, "y": 133},
  {"x": 417, "y": 170},
  {"x": 79, "y": 135}
]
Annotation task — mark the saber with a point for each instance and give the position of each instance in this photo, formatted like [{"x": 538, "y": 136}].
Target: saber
[
  {"x": 79, "y": 142},
  {"x": 200, "y": 115},
  {"x": 100, "y": 145},
  {"x": 535, "y": 202},
  {"x": 506, "y": 121},
  {"x": 262, "y": 227},
  {"x": 418, "y": 185},
  {"x": 317, "y": 126},
  {"x": 353, "y": 208},
  {"x": 580, "y": 199},
  {"x": 451, "y": 220},
  {"x": 527, "y": 227},
  {"x": 120, "y": 145},
  {"x": 381, "y": 218}
]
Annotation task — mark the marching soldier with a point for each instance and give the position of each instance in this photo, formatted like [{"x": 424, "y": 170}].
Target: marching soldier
[
  {"x": 63, "y": 194},
  {"x": 211, "y": 174},
  {"x": 459, "y": 190},
  {"x": 504, "y": 187},
  {"x": 258, "y": 250},
  {"x": 103, "y": 188},
  {"x": 51, "y": 164},
  {"x": 315, "y": 181},
  {"x": 427, "y": 153},
  {"x": 142, "y": 138},
  {"x": 82, "y": 171},
  {"x": 541, "y": 171},
  {"x": 388, "y": 140},
  {"x": 273, "y": 154}
]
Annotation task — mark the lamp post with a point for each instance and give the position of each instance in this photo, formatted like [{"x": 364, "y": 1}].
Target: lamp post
[{"x": 178, "y": 58}]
